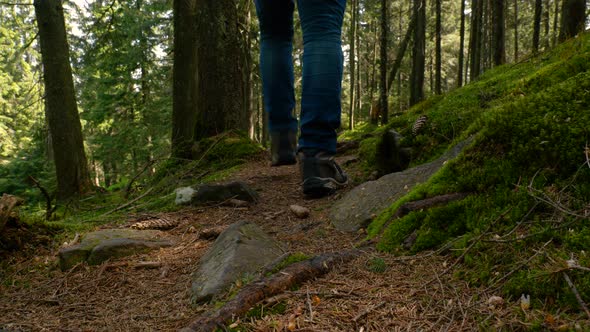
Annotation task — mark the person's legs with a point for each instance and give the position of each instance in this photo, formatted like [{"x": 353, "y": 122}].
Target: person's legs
[
  {"x": 276, "y": 67},
  {"x": 321, "y": 22}
]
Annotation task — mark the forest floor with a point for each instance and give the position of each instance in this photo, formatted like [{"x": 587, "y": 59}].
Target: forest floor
[{"x": 375, "y": 292}]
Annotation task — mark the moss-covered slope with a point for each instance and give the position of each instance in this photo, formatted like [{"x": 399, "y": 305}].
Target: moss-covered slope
[{"x": 527, "y": 170}]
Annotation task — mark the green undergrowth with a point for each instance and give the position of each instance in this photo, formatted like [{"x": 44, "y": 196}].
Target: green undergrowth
[
  {"x": 215, "y": 159},
  {"x": 526, "y": 171}
]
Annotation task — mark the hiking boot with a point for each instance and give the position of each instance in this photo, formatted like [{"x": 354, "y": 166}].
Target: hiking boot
[
  {"x": 321, "y": 174},
  {"x": 282, "y": 148}
]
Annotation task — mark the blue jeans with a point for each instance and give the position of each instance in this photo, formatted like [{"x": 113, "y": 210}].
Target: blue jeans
[{"x": 321, "y": 22}]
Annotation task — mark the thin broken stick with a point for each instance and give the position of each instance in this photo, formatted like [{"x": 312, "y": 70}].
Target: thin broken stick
[
  {"x": 367, "y": 311},
  {"x": 265, "y": 287},
  {"x": 577, "y": 294}
]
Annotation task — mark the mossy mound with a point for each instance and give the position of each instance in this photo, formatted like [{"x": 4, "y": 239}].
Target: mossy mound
[{"x": 527, "y": 172}]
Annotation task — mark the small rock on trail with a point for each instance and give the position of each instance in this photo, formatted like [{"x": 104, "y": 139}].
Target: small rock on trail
[{"x": 299, "y": 211}]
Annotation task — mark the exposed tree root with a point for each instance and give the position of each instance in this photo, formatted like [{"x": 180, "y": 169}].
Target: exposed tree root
[
  {"x": 265, "y": 287},
  {"x": 417, "y": 206}
]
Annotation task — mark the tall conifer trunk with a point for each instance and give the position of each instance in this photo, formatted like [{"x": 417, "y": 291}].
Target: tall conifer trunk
[
  {"x": 352, "y": 55},
  {"x": 418, "y": 53},
  {"x": 184, "y": 85},
  {"x": 61, "y": 109},
  {"x": 461, "y": 46},
  {"x": 537, "y": 25},
  {"x": 222, "y": 98},
  {"x": 438, "y": 52},
  {"x": 383, "y": 67},
  {"x": 498, "y": 35},
  {"x": 573, "y": 18}
]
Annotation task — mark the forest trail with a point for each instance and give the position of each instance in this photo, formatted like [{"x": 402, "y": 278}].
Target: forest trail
[{"x": 375, "y": 292}]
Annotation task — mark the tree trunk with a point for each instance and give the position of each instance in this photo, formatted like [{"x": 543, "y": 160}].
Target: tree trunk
[
  {"x": 383, "y": 67},
  {"x": 498, "y": 35},
  {"x": 555, "y": 23},
  {"x": 358, "y": 98},
  {"x": 352, "y": 54},
  {"x": 475, "y": 40},
  {"x": 461, "y": 46},
  {"x": 438, "y": 52},
  {"x": 61, "y": 110},
  {"x": 184, "y": 111},
  {"x": 515, "y": 30},
  {"x": 546, "y": 24},
  {"x": 537, "y": 25},
  {"x": 221, "y": 91},
  {"x": 573, "y": 18},
  {"x": 418, "y": 54},
  {"x": 393, "y": 72},
  {"x": 374, "y": 112}
]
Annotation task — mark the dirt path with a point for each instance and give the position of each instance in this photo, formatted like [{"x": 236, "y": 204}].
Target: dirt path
[{"x": 376, "y": 292}]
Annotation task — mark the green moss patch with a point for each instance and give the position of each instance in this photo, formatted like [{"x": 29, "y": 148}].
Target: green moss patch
[{"x": 526, "y": 171}]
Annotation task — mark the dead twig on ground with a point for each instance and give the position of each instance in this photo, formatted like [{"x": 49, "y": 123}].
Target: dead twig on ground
[
  {"x": 145, "y": 168},
  {"x": 577, "y": 294},
  {"x": 504, "y": 277},
  {"x": 368, "y": 311},
  {"x": 473, "y": 243},
  {"x": 120, "y": 207},
  {"x": 257, "y": 291}
]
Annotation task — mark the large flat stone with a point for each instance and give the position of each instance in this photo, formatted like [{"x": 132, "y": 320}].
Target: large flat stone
[
  {"x": 241, "y": 250},
  {"x": 96, "y": 247},
  {"x": 356, "y": 209}
]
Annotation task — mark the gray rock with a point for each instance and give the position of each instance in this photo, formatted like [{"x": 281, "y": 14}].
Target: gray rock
[
  {"x": 117, "y": 248},
  {"x": 241, "y": 250},
  {"x": 99, "y": 246},
  {"x": 358, "y": 207},
  {"x": 206, "y": 194}
]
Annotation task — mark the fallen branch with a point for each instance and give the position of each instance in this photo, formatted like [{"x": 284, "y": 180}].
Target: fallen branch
[
  {"x": 145, "y": 168},
  {"x": 367, "y": 311},
  {"x": 138, "y": 265},
  {"x": 473, "y": 243},
  {"x": 525, "y": 263},
  {"x": 49, "y": 209},
  {"x": 427, "y": 203},
  {"x": 265, "y": 287},
  {"x": 577, "y": 294},
  {"x": 127, "y": 204}
]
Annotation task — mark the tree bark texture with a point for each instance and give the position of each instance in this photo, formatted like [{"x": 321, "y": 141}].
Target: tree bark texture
[
  {"x": 352, "y": 61},
  {"x": 515, "y": 30},
  {"x": 61, "y": 109},
  {"x": 418, "y": 54},
  {"x": 184, "y": 110},
  {"x": 573, "y": 18},
  {"x": 537, "y": 25},
  {"x": 499, "y": 33},
  {"x": 438, "y": 50},
  {"x": 221, "y": 87},
  {"x": 461, "y": 46},
  {"x": 383, "y": 65},
  {"x": 475, "y": 39}
]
